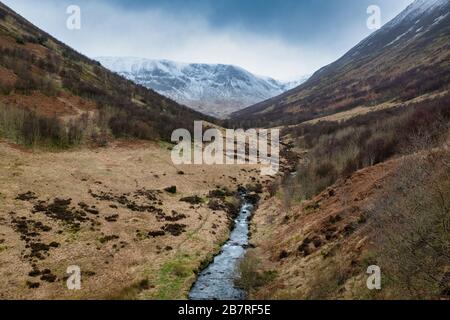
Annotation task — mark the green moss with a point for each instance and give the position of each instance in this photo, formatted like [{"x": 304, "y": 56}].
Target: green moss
[
  {"x": 141, "y": 235},
  {"x": 175, "y": 277}
]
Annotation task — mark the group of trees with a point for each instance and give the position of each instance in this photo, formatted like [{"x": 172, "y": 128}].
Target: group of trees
[
  {"x": 336, "y": 150},
  {"x": 27, "y": 127}
]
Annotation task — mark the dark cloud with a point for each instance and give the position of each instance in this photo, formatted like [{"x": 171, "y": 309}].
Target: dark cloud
[{"x": 280, "y": 38}]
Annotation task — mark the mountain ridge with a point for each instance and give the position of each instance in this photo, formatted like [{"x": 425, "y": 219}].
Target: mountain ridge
[{"x": 214, "y": 89}]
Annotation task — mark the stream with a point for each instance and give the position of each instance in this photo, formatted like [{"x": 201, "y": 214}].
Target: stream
[{"x": 216, "y": 282}]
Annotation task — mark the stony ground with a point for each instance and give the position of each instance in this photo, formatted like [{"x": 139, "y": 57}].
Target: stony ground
[{"x": 118, "y": 213}]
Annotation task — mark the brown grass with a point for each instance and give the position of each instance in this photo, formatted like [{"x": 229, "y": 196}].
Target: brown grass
[{"x": 113, "y": 265}]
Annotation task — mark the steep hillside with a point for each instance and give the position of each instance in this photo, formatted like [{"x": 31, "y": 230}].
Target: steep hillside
[
  {"x": 407, "y": 58},
  {"x": 371, "y": 190},
  {"x": 44, "y": 80},
  {"x": 390, "y": 215},
  {"x": 213, "y": 89}
]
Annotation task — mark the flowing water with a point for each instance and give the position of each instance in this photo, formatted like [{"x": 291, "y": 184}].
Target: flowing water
[{"x": 216, "y": 282}]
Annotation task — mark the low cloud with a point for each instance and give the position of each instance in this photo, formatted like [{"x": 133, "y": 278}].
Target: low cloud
[
  {"x": 108, "y": 31},
  {"x": 266, "y": 45}
]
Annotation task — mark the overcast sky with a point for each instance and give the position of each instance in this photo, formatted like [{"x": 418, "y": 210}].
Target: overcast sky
[{"x": 283, "y": 39}]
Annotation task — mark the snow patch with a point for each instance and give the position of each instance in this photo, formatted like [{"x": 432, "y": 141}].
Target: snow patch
[
  {"x": 439, "y": 19},
  {"x": 415, "y": 10},
  {"x": 399, "y": 37},
  {"x": 215, "y": 89}
]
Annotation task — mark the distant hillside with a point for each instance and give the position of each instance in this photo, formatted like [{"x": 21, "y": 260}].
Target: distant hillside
[
  {"x": 50, "y": 93},
  {"x": 213, "y": 89},
  {"x": 407, "y": 58}
]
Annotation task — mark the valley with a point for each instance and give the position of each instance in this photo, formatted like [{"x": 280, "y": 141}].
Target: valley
[
  {"x": 88, "y": 178},
  {"x": 113, "y": 213}
]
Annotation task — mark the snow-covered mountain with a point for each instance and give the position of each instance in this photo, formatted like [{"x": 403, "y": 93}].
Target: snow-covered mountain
[{"x": 213, "y": 89}]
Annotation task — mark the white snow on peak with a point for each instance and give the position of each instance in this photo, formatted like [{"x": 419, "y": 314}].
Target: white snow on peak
[
  {"x": 214, "y": 89},
  {"x": 416, "y": 9},
  {"x": 134, "y": 65}
]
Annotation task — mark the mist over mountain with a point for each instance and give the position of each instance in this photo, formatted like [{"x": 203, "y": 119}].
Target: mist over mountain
[{"x": 214, "y": 89}]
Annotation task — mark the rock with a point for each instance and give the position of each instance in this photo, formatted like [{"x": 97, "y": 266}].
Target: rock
[{"x": 253, "y": 198}]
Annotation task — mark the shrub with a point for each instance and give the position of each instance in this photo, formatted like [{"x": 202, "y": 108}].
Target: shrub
[
  {"x": 5, "y": 88},
  {"x": 251, "y": 277},
  {"x": 325, "y": 169},
  {"x": 414, "y": 214},
  {"x": 325, "y": 284},
  {"x": 350, "y": 167},
  {"x": 100, "y": 139},
  {"x": 376, "y": 150},
  {"x": 273, "y": 187}
]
